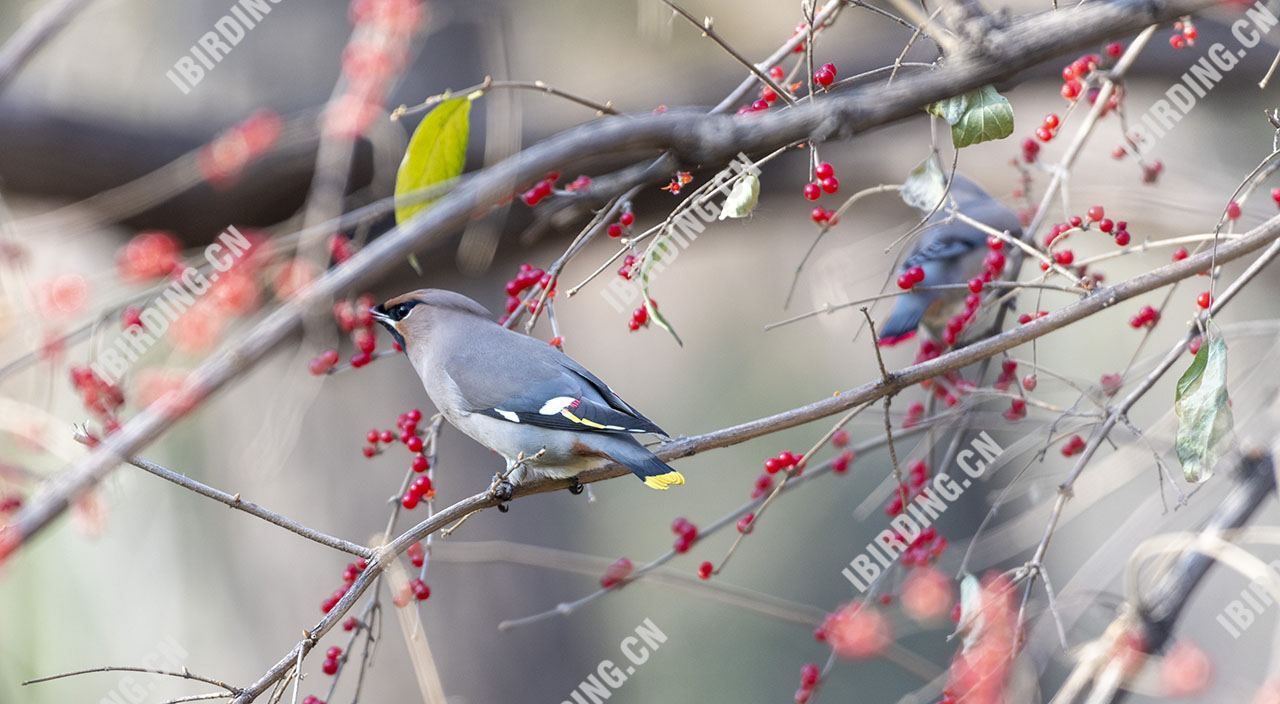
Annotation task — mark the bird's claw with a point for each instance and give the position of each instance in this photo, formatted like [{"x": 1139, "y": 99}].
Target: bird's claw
[
  {"x": 501, "y": 489},
  {"x": 576, "y": 487}
]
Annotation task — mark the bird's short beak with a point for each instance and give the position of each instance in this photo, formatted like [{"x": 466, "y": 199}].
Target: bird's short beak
[{"x": 379, "y": 314}]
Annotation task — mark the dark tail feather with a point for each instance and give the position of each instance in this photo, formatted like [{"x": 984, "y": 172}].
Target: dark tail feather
[
  {"x": 629, "y": 453},
  {"x": 905, "y": 317}
]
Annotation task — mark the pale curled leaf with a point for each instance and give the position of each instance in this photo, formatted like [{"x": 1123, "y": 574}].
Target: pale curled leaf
[
  {"x": 653, "y": 255},
  {"x": 436, "y": 154},
  {"x": 1204, "y": 414},
  {"x": 742, "y": 199},
  {"x": 950, "y": 109},
  {"x": 971, "y": 612},
  {"x": 924, "y": 186}
]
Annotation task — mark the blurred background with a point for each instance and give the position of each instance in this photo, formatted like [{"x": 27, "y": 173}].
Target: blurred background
[{"x": 145, "y": 569}]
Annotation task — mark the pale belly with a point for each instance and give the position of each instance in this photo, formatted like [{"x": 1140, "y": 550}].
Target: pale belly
[{"x": 563, "y": 456}]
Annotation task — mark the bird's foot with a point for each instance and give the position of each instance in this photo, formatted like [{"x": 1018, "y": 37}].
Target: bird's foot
[
  {"x": 502, "y": 490},
  {"x": 576, "y": 487}
]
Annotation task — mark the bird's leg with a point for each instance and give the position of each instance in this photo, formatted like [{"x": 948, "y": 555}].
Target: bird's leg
[
  {"x": 503, "y": 486},
  {"x": 576, "y": 487}
]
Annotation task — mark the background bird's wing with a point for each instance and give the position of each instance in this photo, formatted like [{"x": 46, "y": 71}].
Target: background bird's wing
[{"x": 541, "y": 386}]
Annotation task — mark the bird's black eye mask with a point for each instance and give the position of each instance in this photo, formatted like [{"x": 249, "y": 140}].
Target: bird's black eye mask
[{"x": 395, "y": 313}]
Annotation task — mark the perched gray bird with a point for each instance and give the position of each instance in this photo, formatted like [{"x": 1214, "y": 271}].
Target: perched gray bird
[
  {"x": 949, "y": 254},
  {"x": 516, "y": 395}
]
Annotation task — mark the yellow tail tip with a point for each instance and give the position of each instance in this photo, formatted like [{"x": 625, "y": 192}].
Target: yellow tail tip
[{"x": 662, "y": 481}]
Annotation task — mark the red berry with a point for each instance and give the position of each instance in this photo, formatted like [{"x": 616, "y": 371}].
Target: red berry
[
  {"x": 812, "y": 191},
  {"x": 760, "y": 104},
  {"x": 829, "y": 67},
  {"x": 420, "y": 589},
  {"x": 409, "y": 500},
  {"x": 1071, "y": 89},
  {"x": 744, "y": 523},
  {"x": 819, "y": 215},
  {"x": 1233, "y": 210},
  {"x": 414, "y": 444},
  {"x": 370, "y": 451},
  {"x": 335, "y": 652},
  {"x": 626, "y": 219},
  {"x": 1051, "y": 121},
  {"x": 823, "y": 170},
  {"x": 330, "y": 666},
  {"x": 1275, "y": 194},
  {"x": 830, "y": 184},
  {"x": 1179, "y": 254},
  {"x": 420, "y": 464},
  {"x": 823, "y": 77},
  {"x": 704, "y": 570},
  {"x": 360, "y": 359},
  {"x": 1044, "y": 134},
  {"x": 1177, "y": 41},
  {"x": 809, "y": 676},
  {"x": 975, "y": 285},
  {"x": 1122, "y": 237},
  {"x": 840, "y": 438},
  {"x": 995, "y": 243},
  {"x": 1029, "y": 382},
  {"x": 1106, "y": 225},
  {"x": 1114, "y": 50},
  {"x": 1204, "y": 300},
  {"x": 1095, "y": 213},
  {"x": 615, "y": 230},
  {"x": 916, "y": 273},
  {"x": 905, "y": 282},
  {"x": 768, "y": 94},
  {"x": 1190, "y": 32}
]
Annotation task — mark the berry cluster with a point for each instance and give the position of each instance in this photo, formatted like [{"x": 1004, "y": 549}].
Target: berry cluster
[
  {"x": 415, "y": 589},
  {"x": 980, "y": 671},
  {"x": 1048, "y": 129},
  {"x": 687, "y": 533},
  {"x": 1186, "y": 34},
  {"x": 809, "y": 675},
  {"x": 784, "y": 461},
  {"x": 915, "y": 413},
  {"x": 101, "y": 398},
  {"x": 1147, "y": 317},
  {"x": 1073, "y": 446},
  {"x": 909, "y": 278},
  {"x": 840, "y": 463},
  {"x": 1076, "y": 73},
  {"x": 1008, "y": 374},
  {"x": 1017, "y": 410},
  {"x": 639, "y": 318},
  {"x": 616, "y": 572},
  {"x": 525, "y": 279},
  {"x": 824, "y": 181},
  {"x": 349, "y": 575},
  {"x": 825, "y": 76},
  {"x": 221, "y": 161},
  {"x": 148, "y": 255},
  {"x": 356, "y": 320},
  {"x": 624, "y": 221},
  {"x": 541, "y": 189},
  {"x": 378, "y": 48},
  {"x": 330, "y": 665},
  {"x": 856, "y": 632},
  {"x": 768, "y": 96}
]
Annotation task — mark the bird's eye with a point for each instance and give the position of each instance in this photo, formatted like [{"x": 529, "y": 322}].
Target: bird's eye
[{"x": 398, "y": 312}]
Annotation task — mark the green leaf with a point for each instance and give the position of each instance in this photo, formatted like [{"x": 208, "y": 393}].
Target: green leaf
[
  {"x": 652, "y": 255},
  {"x": 1204, "y": 415},
  {"x": 435, "y": 155},
  {"x": 987, "y": 116},
  {"x": 742, "y": 199},
  {"x": 924, "y": 185},
  {"x": 951, "y": 109}
]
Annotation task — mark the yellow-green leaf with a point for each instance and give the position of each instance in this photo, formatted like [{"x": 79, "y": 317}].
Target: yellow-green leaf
[
  {"x": 436, "y": 154},
  {"x": 653, "y": 255},
  {"x": 1204, "y": 415}
]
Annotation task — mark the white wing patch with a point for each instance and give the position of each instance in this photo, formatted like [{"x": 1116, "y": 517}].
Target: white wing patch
[
  {"x": 508, "y": 415},
  {"x": 555, "y": 405}
]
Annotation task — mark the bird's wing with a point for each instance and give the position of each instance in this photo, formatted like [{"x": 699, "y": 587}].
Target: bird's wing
[
  {"x": 950, "y": 244},
  {"x": 541, "y": 387}
]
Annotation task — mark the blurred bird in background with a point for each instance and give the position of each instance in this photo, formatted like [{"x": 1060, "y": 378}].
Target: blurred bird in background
[
  {"x": 950, "y": 253},
  {"x": 516, "y": 395}
]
